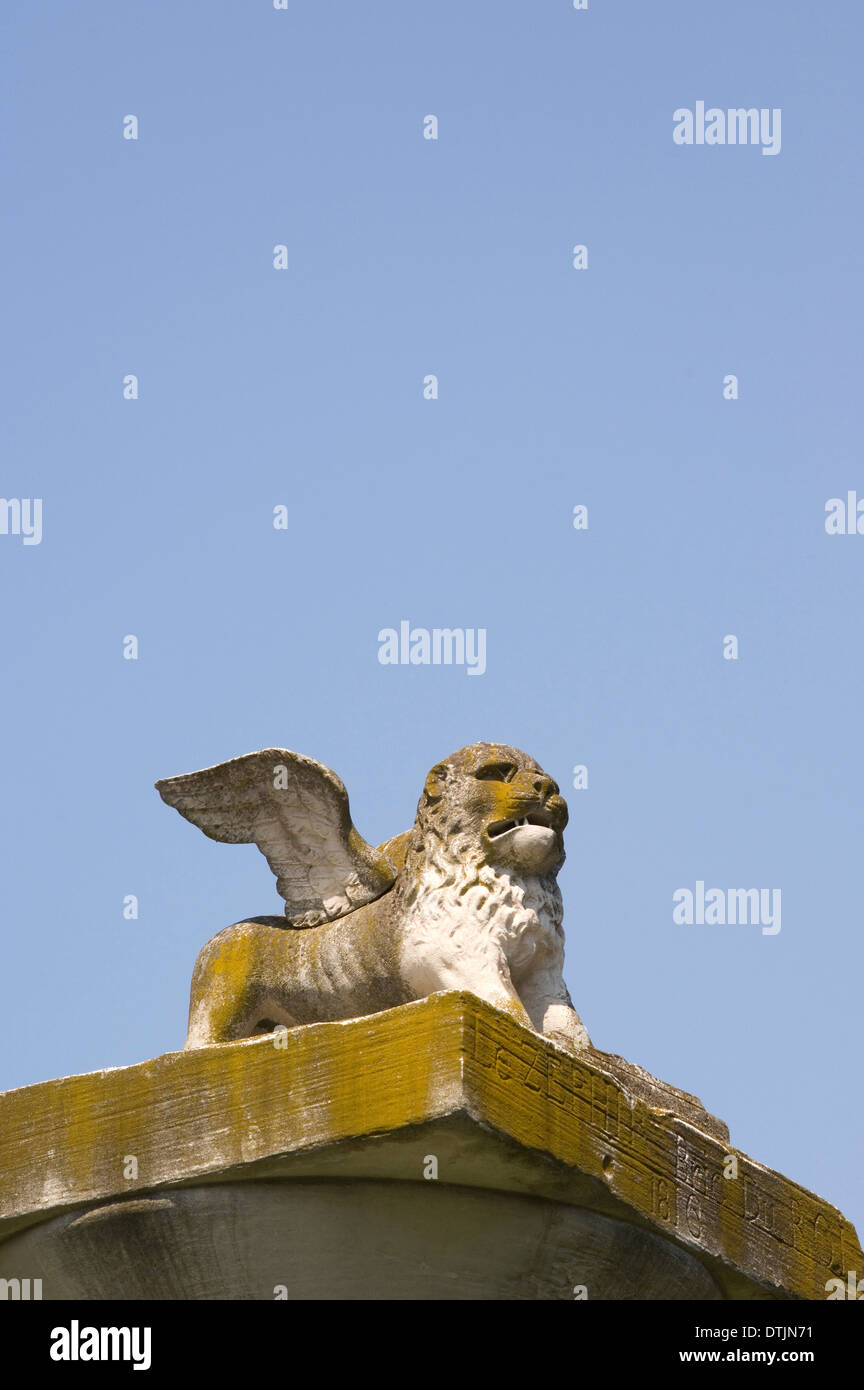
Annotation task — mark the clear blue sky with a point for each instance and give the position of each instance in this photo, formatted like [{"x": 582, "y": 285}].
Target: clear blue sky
[{"x": 304, "y": 388}]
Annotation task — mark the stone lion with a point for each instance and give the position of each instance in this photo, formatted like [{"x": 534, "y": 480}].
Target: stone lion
[{"x": 466, "y": 900}]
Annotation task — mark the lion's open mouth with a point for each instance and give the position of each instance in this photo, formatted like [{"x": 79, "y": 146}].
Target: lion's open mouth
[{"x": 501, "y": 827}]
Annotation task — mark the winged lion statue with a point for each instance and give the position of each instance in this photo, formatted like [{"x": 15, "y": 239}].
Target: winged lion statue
[{"x": 467, "y": 899}]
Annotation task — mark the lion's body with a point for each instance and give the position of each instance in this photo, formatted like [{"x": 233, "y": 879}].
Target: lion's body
[
  {"x": 263, "y": 972},
  {"x": 474, "y": 905}
]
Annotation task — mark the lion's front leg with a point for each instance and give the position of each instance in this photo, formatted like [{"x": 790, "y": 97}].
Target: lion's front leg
[
  {"x": 482, "y": 970},
  {"x": 551, "y": 1010}
]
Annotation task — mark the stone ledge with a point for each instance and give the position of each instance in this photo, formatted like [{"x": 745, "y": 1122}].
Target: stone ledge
[{"x": 369, "y": 1099}]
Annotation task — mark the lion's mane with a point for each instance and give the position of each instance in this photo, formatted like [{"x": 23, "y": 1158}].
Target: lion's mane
[{"x": 445, "y": 887}]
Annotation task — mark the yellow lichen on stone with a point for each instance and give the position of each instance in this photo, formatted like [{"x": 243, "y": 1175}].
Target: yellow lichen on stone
[{"x": 371, "y": 1099}]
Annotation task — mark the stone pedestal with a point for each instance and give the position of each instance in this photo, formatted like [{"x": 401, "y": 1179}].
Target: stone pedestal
[{"x": 435, "y": 1151}]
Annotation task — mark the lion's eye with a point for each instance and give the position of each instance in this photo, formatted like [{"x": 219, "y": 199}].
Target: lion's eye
[{"x": 496, "y": 772}]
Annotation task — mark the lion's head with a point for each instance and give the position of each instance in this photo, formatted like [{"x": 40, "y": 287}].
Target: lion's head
[
  {"x": 487, "y": 845},
  {"x": 498, "y": 806}
]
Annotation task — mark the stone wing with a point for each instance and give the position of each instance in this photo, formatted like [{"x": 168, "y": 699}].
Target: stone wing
[{"x": 296, "y": 811}]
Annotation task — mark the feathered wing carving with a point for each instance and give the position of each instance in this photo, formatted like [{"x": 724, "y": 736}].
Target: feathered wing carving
[{"x": 296, "y": 811}]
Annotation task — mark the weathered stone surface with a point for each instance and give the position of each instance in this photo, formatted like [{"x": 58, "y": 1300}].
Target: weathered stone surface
[
  {"x": 352, "y": 1240},
  {"x": 604, "y": 1183}
]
